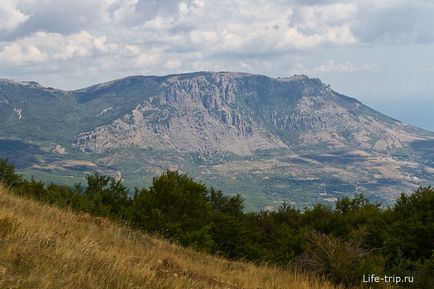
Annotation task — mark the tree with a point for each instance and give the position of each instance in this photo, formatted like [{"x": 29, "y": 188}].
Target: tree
[
  {"x": 410, "y": 227},
  {"x": 230, "y": 230},
  {"x": 7, "y": 174},
  {"x": 105, "y": 196},
  {"x": 177, "y": 207}
]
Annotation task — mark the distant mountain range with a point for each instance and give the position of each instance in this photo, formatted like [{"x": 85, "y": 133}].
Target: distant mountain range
[{"x": 270, "y": 139}]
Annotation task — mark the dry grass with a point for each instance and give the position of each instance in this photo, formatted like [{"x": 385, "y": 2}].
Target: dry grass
[{"x": 46, "y": 247}]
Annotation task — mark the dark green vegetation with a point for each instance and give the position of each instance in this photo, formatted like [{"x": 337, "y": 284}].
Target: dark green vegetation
[
  {"x": 343, "y": 242},
  {"x": 272, "y": 140}
]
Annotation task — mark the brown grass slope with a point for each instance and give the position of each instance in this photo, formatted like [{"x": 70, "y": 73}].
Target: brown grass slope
[{"x": 47, "y": 247}]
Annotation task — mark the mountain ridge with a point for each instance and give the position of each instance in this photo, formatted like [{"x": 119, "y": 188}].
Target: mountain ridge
[{"x": 243, "y": 132}]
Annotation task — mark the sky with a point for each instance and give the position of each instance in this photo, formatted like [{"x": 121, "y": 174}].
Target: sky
[{"x": 378, "y": 51}]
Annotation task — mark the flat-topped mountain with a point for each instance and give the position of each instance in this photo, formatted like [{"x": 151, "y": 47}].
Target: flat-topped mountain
[{"x": 271, "y": 139}]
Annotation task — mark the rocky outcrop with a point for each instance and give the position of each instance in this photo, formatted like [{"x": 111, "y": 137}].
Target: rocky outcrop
[{"x": 241, "y": 113}]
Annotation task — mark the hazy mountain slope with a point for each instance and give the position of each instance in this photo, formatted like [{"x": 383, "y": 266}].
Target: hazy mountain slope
[
  {"x": 46, "y": 247},
  {"x": 271, "y": 139},
  {"x": 30, "y": 111}
]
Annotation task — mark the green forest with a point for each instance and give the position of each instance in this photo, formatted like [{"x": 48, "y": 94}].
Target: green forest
[{"x": 343, "y": 242}]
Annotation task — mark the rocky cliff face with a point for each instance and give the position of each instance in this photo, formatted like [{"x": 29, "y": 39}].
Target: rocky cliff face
[
  {"x": 242, "y": 113},
  {"x": 194, "y": 114},
  {"x": 272, "y": 139}
]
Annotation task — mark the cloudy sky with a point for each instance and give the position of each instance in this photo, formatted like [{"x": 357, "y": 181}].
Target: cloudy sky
[{"x": 374, "y": 50}]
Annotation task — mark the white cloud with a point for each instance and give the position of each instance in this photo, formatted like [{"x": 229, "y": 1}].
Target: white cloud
[
  {"x": 16, "y": 54},
  {"x": 317, "y": 17},
  {"x": 133, "y": 49},
  {"x": 166, "y": 36},
  {"x": 204, "y": 38},
  {"x": 183, "y": 9},
  {"x": 11, "y": 17},
  {"x": 232, "y": 41},
  {"x": 147, "y": 59},
  {"x": 125, "y": 28},
  {"x": 81, "y": 44},
  {"x": 44, "y": 47},
  {"x": 332, "y": 66},
  {"x": 173, "y": 64}
]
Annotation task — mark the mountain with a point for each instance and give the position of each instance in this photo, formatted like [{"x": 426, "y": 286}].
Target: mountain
[{"x": 271, "y": 139}]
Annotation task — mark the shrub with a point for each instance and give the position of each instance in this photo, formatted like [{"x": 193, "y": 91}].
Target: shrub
[
  {"x": 104, "y": 196},
  {"x": 8, "y": 175},
  {"x": 344, "y": 262}
]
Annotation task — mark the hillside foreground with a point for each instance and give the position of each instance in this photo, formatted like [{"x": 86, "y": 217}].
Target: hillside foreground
[{"x": 48, "y": 247}]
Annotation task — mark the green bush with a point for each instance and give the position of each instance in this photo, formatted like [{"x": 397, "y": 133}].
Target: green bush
[
  {"x": 176, "y": 207},
  {"x": 7, "y": 174},
  {"x": 104, "y": 196},
  {"x": 344, "y": 242},
  {"x": 344, "y": 262}
]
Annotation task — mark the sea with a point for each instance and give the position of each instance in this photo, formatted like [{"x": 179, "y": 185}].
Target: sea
[{"x": 418, "y": 111}]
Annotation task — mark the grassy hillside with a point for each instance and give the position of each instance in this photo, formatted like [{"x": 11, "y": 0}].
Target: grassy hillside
[{"x": 46, "y": 247}]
